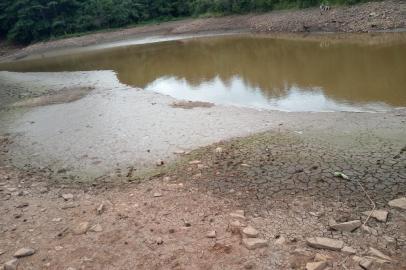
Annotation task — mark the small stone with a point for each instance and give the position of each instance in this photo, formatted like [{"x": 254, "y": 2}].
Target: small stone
[
  {"x": 157, "y": 194},
  {"x": 57, "y": 219},
  {"x": 100, "y": 209},
  {"x": 380, "y": 215},
  {"x": 376, "y": 253},
  {"x": 235, "y": 227},
  {"x": 398, "y": 203},
  {"x": 346, "y": 226},
  {"x": 211, "y": 234},
  {"x": 81, "y": 228},
  {"x": 280, "y": 241},
  {"x": 159, "y": 241},
  {"x": 159, "y": 163},
  {"x": 322, "y": 257},
  {"x": 369, "y": 230},
  {"x": 356, "y": 259},
  {"x": 254, "y": 243},
  {"x": 250, "y": 232},
  {"x": 69, "y": 206},
  {"x": 24, "y": 252},
  {"x": 366, "y": 264},
  {"x": 348, "y": 250},
  {"x": 96, "y": 228},
  {"x": 194, "y": 162},
  {"x": 325, "y": 243},
  {"x": 22, "y": 205},
  {"x": 219, "y": 150},
  {"x": 67, "y": 196},
  {"x": 238, "y": 214},
  {"x": 11, "y": 265},
  {"x": 316, "y": 265},
  {"x": 58, "y": 248}
]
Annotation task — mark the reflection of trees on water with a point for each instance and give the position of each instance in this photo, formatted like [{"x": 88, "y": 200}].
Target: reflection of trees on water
[{"x": 346, "y": 72}]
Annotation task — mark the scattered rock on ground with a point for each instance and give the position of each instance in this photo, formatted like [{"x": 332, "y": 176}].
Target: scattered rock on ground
[
  {"x": 346, "y": 226},
  {"x": 11, "y": 265},
  {"x": 100, "y": 209},
  {"x": 24, "y": 252},
  {"x": 238, "y": 214},
  {"x": 211, "y": 234},
  {"x": 398, "y": 203},
  {"x": 366, "y": 264},
  {"x": 81, "y": 228},
  {"x": 194, "y": 162},
  {"x": 280, "y": 241},
  {"x": 67, "y": 196},
  {"x": 380, "y": 215},
  {"x": 316, "y": 265},
  {"x": 349, "y": 250},
  {"x": 376, "y": 253},
  {"x": 250, "y": 231},
  {"x": 322, "y": 257},
  {"x": 325, "y": 243},
  {"x": 96, "y": 228},
  {"x": 157, "y": 194},
  {"x": 369, "y": 230},
  {"x": 254, "y": 243},
  {"x": 235, "y": 227}
]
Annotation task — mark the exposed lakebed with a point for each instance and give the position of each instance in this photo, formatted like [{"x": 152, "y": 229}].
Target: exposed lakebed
[{"x": 252, "y": 71}]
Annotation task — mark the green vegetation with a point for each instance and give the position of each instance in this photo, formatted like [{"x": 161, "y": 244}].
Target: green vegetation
[{"x": 25, "y": 21}]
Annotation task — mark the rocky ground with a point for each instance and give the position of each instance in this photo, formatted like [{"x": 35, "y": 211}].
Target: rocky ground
[
  {"x": 369, "y": 17},
  {"x": 269, "y": 201}
]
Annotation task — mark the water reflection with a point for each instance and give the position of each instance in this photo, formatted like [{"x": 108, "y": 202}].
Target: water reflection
[{"x": 256, "y": 72}]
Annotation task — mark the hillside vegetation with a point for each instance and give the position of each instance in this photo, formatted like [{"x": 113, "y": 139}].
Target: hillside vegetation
[{"x": 25, "y": 21}]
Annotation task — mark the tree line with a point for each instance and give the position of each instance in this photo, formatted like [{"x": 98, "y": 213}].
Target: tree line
[{"x": 25, "y": 21}]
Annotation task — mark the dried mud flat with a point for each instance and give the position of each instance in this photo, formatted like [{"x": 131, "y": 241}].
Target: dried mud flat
[{"x": 201, "y": 212}]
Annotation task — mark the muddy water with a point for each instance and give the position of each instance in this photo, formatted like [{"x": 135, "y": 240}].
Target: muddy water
[{"x": 253, "y": 71}]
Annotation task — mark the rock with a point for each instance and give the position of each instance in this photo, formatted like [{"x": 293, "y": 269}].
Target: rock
[
  {"x": 380, "y": 215},
  {"x": 238, "y": 214},
  {"x": 372, "y": 14},
  {"x": 157, "y": 194},
  {"x": 219, "y": 150},
  {"x": 235, "y": 227},
  {"x": 81, "y": 228},
  {"x": 250, "y": 232},
  {"x": 211, "y": 234},
  {"x": 160, "y": 163},
  {"x": 67, "y": 196},
  {"x": 316, "y": 265},
  {"x": 356, "y": 259},
  {"x": 96, "y": 228},
  {"x": 280, "y": 241},
  {"x": 322, "y": 257},
  {"x": 325, "y": 243},
  {"x": 398, "y": 203},
  {"x": 346, "y": 226},
  {"x": 366, "y": 264},
  {"x": 100, "y": 209},
  {"x": 69, "y": 206},
  {"x": 24, "y": 252},
  {"x": 341, "y": 175},
  {"x": 22, "y": 205},
  {"x": 348, "y": 250},
  {"x": 254, "y": 243},
  {"x": 11, "y": 265},
  {"x": 369, "y": 230},
  {"x": 194, "y": 162},
  {"x": 159, "y": 241},
  {"x": 376, "y": 253},
  {"x": 57, "y": 219}
]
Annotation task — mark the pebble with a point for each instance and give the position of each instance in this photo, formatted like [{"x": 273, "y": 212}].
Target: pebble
[
  {"x": 159, "y": 163},
  {"x": 11, "y": 265},
  {"x": 81, "y": 228},
  {"x": 235, "y": 227},
  {"x": 57, "y": 219},
  {"x": 238, "y": 214},
  {"x": 250, "y": 232},
  {"x": 380, "y": 215},
  {"x": 218, "y": 150},
  {"x": 349, "y": 250},
  {"x": 280, "y": 241},
  {"x": 366, "y": 264},
  {"x": 254, "y": 243},
  {"x": 194, "y": 162},
  {"x": 100, "y": 209},
  {"x": 325, "y": 243},
  {"x": 346, "y": 226},
  {"x": 376, "y": 253},
  {"x": 157, "y": 194},
  {"x": 398, "y": 203},
  {"x": 67, "y": 196},
  {"x": 96, "y": 228},
  {"x": 322, "y": 257},
  {"x": 24, "y": 252},
  {"x": 316, "y": 265},
  {"x": 369, "y": 230},
  {"x": 211, "y": 234}
]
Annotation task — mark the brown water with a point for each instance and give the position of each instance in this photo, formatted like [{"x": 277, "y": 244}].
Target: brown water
[{"x": 253, "y": 71}]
